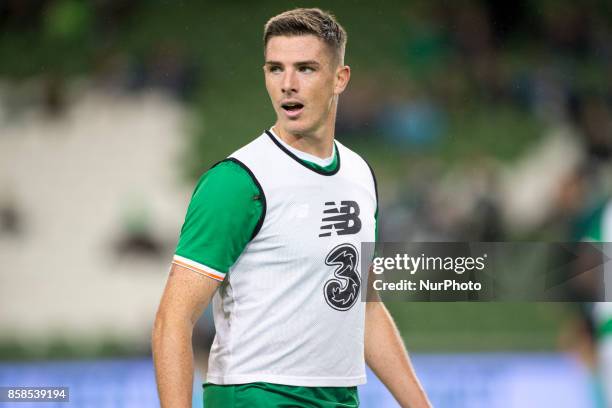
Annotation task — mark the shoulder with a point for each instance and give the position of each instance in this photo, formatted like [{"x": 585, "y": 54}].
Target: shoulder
[
  {"x": 253, "y": 149},
  {"x": 232, "y": 172},
  {"x": 227, "y": 178},
  {"x": 347, "y": 154}
]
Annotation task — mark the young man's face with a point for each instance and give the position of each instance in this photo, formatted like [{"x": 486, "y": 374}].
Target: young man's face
[{"x": 303, "y": 79}]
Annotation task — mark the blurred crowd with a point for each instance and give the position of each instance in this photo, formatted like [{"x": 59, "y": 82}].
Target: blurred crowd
[
  {"x": 548, "y": 60},
  {"x": 545, "y": 62},
  {"x": 88, "y": 36}
]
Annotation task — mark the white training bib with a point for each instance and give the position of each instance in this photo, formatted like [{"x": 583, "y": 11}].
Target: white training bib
[{"x": 290, "y": 309}]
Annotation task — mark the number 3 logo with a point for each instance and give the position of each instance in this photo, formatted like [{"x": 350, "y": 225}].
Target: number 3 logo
[{"x": 341, "y": 291}]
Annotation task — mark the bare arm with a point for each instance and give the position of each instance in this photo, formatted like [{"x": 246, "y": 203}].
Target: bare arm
[
  {"x": 386, "y": 356},
  {"x": 186, "y": 295}
]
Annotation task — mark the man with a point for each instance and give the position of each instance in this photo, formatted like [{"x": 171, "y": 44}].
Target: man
[{"x": 273, "y": 236}]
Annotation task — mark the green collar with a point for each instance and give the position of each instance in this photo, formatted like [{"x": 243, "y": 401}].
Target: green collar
[{"x": 331, "y": 167}]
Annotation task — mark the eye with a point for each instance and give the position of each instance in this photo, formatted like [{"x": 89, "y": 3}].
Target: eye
[
  {"x": 274, "y": 69},
  {"x": 306, "y": 70}
]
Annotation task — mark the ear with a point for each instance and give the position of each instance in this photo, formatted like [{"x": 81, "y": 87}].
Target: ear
[{"x": 343, "y": 75}]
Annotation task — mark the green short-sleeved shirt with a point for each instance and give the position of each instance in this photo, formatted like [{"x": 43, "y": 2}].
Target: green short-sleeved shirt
[{"x": 223, "y": 216}]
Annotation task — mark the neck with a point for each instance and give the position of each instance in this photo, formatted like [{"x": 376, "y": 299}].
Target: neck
[{"x": 319, "y": 143}]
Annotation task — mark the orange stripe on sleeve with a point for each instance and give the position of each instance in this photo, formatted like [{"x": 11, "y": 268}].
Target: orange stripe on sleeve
[{"x": 197, "y": 270}]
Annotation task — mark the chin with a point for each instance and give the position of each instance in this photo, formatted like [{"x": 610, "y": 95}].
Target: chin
[{"x": 296, "y": 127}]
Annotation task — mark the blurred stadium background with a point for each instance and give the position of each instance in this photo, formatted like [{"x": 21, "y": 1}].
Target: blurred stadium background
[{"x": 484, "y": 121}]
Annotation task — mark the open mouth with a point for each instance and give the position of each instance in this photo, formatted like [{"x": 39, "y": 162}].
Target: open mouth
[{"x": 292, "y": 107}]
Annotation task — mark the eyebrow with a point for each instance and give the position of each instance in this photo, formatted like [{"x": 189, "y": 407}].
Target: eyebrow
[{"x": 297, "y": 64}]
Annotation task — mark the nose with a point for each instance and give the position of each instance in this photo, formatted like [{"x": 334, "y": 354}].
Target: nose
[{"x": 290, "y": 83}]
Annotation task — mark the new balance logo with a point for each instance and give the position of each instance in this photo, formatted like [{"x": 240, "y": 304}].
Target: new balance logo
[{"x": 345, "y": 220}]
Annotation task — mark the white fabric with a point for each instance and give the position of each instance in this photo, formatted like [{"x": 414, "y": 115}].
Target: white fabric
[
  {"x": 271, "y": 315},
  {"x": 303, "y": 155},
  {"x": 198, "y": 268}
]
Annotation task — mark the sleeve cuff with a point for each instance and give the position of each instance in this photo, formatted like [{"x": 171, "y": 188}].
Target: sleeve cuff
[{"x": 198, "y": 268}]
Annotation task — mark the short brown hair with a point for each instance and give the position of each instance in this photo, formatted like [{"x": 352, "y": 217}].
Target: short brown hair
[{"x": 304, "y": 21}]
